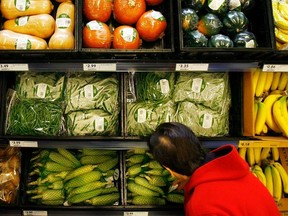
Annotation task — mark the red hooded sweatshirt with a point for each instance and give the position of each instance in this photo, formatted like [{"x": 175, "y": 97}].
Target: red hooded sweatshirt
[{"x": 225, "y": 186}]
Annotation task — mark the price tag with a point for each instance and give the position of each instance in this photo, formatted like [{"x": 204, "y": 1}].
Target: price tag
[
  {"x": 34, "y": 213},
  {"x": 251, "y": 143},
  {"x": 14, "y": 67},
  {"x": 275, "y": 67},
  {"x": 135, "y": 214},
  {"x": 99, "y": 67},
  {"x": 16, "y": 143},
  {"x": 191, "y": 67}
]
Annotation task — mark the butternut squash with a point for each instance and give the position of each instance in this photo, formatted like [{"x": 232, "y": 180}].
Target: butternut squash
[
  {"x": 12, "y": 9},
  {"x": 10, "y": 40},
  {"x": 41, "y": 25},
  {"x": 63, "y": 37}
]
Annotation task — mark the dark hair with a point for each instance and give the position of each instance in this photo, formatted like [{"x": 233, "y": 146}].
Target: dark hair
[{"x": 175, "y": 146}]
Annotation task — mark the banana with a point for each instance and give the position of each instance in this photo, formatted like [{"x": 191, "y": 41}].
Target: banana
[
  {"x": 265, "y": 153},
  {"x": 260, "y": 84},
  {"x": 257, "y": 155},
  {"x": 279, "y": 20},
  {"x": 250, "y": 156},
  {"x": 264, "y": 129},
  {"x": 255, "y": 77},
  {"x": 275, "y": 153},
  {"x": 242, "y": 152},
  {"x": 283, "y": 80},
  {"x": 269, "y": 179},
  {"x": 276, "y": 79},
  {"x": 255, "y": 111},
  {"x": 260, "y": 118},
  {"x": 283, "y": 9},
  {"x": 283, "y": 174},
  {"x": 279, "y": 118},
  {"x": 269, "y": 101},
  {"x": 284, "y": 109},
  {"x": 277, "y": 183},
  {"x": 268, "y": 83},
  {"x": 260, "y": 174},
  {"x": 280, "y": 35}
]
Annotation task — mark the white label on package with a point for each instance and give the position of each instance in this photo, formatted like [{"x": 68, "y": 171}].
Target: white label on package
[
  {"x": 41, "y": 90},
  {"x": 164, "y": 85},
  {"x": 216, "y": 4},
  {"x": 99, "y": 122},
  {"x": 196, "y": 85},
  {"x": 207, "y": 121},
  {"x": 34, "y": 213},
  {"x": 141, "y": 115},
  {"x": 21, "y": 21},
  {"x": 88, "y": 91},
  {"x": 22, "y": 43},
  {"x": 94, "y": 25},
  {"x": 20, "y": 5},
  {"x": 135, "y": 214},
  {"x": 156, "y": 15},
  {"x": 234, "y": 4},
  {"x": 127, "y": 34}
]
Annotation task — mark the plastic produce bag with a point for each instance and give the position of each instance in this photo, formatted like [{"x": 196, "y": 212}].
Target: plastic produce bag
[{"x": 10, "y": 168}]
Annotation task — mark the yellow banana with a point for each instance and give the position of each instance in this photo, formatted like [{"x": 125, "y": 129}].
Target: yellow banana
[
  {"x": 276, "y": 79},
  {"x": 278, "y": 116},
  {"x": 283, "y": 81},
  {"x": 283, "y": 9},
  {"x": 269, "y": 101},
  {"x": 268, "y": 83},
  {"x": 284, "y": 109},
  {"x": 257, "y": 155},
  {"x": 259, "y": 173},
  {"x": 265, "y": 153},
  {"x": 283, "y": 174},
  {"x": 269, "y": 179},
  {"x": 260, "y": 84},
  {"x": 276, "y": 92},
  {"x": 279, "y": 20},
  {"x": 260, "y": 118},
  {"x": 277, "y": 184},
  {"x": 264, "y": 129},
  {"x": 250, "y": 156},
  {"x": 275, "y": 153},
  {"x": 255, "y": 111},
  {"x": 280, "y": 35},
  {"x": 242, "y": 152},
  {"x": 286, "y": 87},
  {"x": 255, "y": 76}
]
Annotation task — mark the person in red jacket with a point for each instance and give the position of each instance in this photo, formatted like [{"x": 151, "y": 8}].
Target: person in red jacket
[{"x": 215, "y": 183}]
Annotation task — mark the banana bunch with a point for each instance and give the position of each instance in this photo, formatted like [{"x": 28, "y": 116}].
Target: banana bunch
[{"x": 280, "y": 15}]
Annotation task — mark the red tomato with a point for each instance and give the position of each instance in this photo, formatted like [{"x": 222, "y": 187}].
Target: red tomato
[
  {"x": 154, "y": 2},
  {"x": 97, "y": 10},
  {"x": 126, "y": 37},
  {"x": 128, "y": 12},
  {"x": 96, "y": 34},
  {"x": 151, "y": 25}
]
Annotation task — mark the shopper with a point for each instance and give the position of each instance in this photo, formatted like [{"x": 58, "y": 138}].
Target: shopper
[{"x": 215, "y": 183}]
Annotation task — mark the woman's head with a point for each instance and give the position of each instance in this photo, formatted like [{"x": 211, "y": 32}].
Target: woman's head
[{"x": 175, "y": 146}]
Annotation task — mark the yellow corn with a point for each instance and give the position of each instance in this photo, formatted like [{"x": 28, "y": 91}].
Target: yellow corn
[
  {"x": 141, "y": 190},
  {"x": 147, "y": 200},
  {"x": 79, "y": 171},
  {"x": 94, "y": 159},
  {"x": 58, "y": 158},
  {"x": 67, "y": 154},
  {"x": 107, "y": 199},
  {"x": 84, "y": 179},
  {"x": 78, "y": 198}
]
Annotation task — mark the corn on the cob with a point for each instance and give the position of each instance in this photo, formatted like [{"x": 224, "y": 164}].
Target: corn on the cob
[
  {"x": 107, "y": 165},
  {"x": 50, "y": 194},
  {"x": 38, "y": 190},
  {"x": 175, "y": 198},
  {"x": 98, "y": 152},
  {"x": 79, "y": 171},
  {"x": 58, "y": 158},
  {"x": 107, "y": 199},
  {"x": 41, "y": 156},
  {"x": 156, "y": 180},
  {"x": 88, "y": 187},
  {"x": 56, "y": 185},
  {"x": 109, "y": 190},
  {"x": 147, "y": 200},
  {"x": 134, "y": 170},
  {"x": 137, "y": 158},
  {"x": 144, "y": 182},
  {"x": 153, "y": 164},
  {"x": 158, "y": 172},
  {"x": 51, "y": 178},
  {"x": 84, "y": 179},
  {"x": 141, "y": 190},
  {"x": 92, "y": 159},
  {"x": 135, "y": 151},
  {"x": 55, "y": 167},
  {"x": 53, "y": 202},
  {"x": 78, "y": 198},
  {"x": 67, "y": 154},
  {"x": 62, "y": 174}
]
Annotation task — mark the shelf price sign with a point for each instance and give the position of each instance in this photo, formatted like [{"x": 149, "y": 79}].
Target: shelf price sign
[
  {"x": 34, "y": 213},
  {"x": 251, "y": 143},
  {"x": 17, "y": 143},
  {"x": 14, "y": 67},
  {"x": 135, "y": 214},
  {"x": 191, "y": 67},
  {"x": 275, "y": 68},
  {"x": 104, "y": 67}
]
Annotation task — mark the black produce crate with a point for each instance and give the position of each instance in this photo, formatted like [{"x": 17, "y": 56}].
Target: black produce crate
[
  {"x": 260, "y": 24},
  {"x": 8, "y": 82},
  {"x": 26, "y": 203},
  {"x": 161, "y": 48},
  {"x": 43, "y": 53}
]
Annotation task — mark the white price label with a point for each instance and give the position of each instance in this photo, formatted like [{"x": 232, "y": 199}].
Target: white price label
[
  {"x": 14, "y": 67},
  {"x": 275, "y": 67},
  {"x": 99, "y": 67},
  {"x": 34, "y": 213},
  {"x": 16, "y": 143},
  {"x": 135, "y": 214},
  {"x": 191, "y": 67}
]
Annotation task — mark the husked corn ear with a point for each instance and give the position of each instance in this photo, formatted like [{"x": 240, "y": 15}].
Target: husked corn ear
[
  {"x": 52, "y": 202},
  {"x": 51, "y": 178},
  {"x": 107, "y": 165},
  {"x": 144, "y": 182},
  {"x": 57, "y": 185},
  {"x": 67, "y": 154},
  {"x": 88, "y": 187},
  {"x": 56, "y": 167},
  {"x": 156, "y": 180},
  {"x": 158, "y": 172},
  {"x": 107, "y": 199},
  {"x": 153, "y": 164},
  {"x": 84, "y": 196},
  {"x": 50, "y": 194},
  {"x": 137, "y": 158},
  {"x": 175, "y": 198},
  {"x": 58, "y": 158},
  {"x": 136, "y": 151},
  {"x": 79, "y": 171},
  {"x": 134, "y": 170},
  {"x": 38, "y": 190},
  {"x": 62, "y": 174},
  {"x": 141, "y": 190},
  {"x": 43, "y": 154},
  {"x": 147, "y": 200},
  {"x": 84, "y": 179},
  {"x": 98, "y": 152},
  {"x": 92, "y": 159},
  {"x": 109, "y": 190}
]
